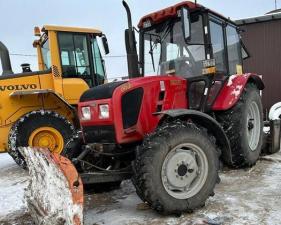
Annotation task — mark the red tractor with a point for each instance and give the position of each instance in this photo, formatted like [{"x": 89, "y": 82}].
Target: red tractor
[{"x": 186, "y": 107}]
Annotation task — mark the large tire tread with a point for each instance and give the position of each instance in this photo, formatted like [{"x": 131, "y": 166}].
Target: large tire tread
[
  {"x": 143, "y": 165},
  {"x": 18, "y": 136},
  {"x": 231, "y": 122}
]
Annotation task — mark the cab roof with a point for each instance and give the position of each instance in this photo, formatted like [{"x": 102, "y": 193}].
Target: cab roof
[
  {"x": 172, "y": 11},
  {"x": 70, "y": 29}
]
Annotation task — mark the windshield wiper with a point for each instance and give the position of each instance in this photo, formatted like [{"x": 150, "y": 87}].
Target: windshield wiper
[
  {"x": 151, "y": 53},
  {"x": 167, "y": 32},
  {"x": 159, "y": 40}
]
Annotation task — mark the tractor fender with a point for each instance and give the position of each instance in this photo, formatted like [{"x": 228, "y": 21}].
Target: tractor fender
[
  {"x": 233, "y": 88},
  {"x": 206, "y": 121}
]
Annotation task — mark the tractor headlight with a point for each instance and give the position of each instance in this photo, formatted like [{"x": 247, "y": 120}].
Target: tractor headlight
[
  {"x": 86, "y": 113},
  {"x": 104, "y": 111}
]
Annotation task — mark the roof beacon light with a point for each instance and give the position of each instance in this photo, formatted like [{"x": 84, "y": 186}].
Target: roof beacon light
[
  {"x": 147, "y": 23},
  {"x": 37, "y": 31}
]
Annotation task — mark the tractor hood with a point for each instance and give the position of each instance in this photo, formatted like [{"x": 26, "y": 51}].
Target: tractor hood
[
  {"x": 104, "y": 91},
  {"x": 130, "y": 107}
]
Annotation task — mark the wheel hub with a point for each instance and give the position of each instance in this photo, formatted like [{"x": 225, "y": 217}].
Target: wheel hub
[
  {"x": 181, "y": 171},
  {"x": 47, "y": 137},
  {"x": 254, "y": 123},
  {"x": 250, "y": 125}
]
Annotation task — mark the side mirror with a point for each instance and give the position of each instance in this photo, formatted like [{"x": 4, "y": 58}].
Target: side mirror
[
  {"x": 105, "y": 44},
  {"x": 244, "y": 51},
  {"x": 186, "y": 24}
]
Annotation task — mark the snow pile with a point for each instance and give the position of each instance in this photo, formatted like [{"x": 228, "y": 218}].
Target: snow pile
[{"x": 48, "y": 196}]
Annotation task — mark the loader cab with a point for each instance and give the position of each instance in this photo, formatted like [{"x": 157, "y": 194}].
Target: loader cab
[
  {"x": 203, "y": 47},
  {"x": 73, "y": 55}
]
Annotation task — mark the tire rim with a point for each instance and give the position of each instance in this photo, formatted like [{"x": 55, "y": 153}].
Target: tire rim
[
  {"x": 184, "y": 171},
  {"x": 254, "y": 123},
  {"x": 47, "y": 137}
]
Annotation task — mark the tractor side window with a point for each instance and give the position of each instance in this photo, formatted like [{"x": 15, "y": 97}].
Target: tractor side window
[
  {"x": 74, "y": 55},
  {"x": 98, "y": 62},
  {"x": 233, "y": 49},
  {"x": 46, "y": 55},
  {"x": 217, "y": 41}
]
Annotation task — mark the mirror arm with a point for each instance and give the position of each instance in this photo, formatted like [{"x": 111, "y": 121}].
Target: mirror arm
[{"x": 137, "y": 30}]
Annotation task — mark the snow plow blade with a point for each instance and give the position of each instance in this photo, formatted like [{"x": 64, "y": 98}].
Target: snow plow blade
[{"x": 54, "y": 195}]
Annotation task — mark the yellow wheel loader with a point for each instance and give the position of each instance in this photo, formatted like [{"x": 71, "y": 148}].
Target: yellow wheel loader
[{"x": 38, "y": 108}]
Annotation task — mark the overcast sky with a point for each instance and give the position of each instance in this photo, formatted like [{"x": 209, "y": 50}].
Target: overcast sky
[{"x": 18, "y": 18}]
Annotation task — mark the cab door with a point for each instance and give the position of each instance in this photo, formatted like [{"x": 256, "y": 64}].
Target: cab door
[
  {"x": 226, "y": 50},
  {"x": 76, "y": 63}
]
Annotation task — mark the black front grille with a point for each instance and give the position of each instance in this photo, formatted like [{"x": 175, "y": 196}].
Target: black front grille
[
  {"x": 131, "y": 105},
  {"x": 99, "y": 134}
]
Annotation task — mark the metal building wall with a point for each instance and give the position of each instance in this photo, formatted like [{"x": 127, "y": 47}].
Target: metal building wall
[{"x": 263, "y": 41}]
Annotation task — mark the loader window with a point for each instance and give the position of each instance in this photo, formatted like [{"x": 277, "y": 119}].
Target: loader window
[{"x": 75, "y": 56}]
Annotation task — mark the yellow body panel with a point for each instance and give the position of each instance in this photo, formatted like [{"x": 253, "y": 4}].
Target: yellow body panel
[
  {"x": 55, "y": 59},
  {"x": 4, "y": 130},
  {"x": 72, "y": 89}
]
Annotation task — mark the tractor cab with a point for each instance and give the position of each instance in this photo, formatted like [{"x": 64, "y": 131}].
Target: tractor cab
[
  {"x": 72, "y": 52},
  {"x": 192, "y": 42}
]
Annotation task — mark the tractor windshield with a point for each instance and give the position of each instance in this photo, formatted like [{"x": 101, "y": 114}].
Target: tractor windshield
[{"x": 166, "y": 52}]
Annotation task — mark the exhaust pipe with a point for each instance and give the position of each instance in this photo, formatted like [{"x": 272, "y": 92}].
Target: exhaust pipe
[
  {"x": 5, "y": 60},
  {"x": 130, "y": 41}
]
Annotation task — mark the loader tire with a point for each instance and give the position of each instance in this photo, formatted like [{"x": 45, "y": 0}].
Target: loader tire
[
  {"x": 46, "y": 129},
  {"x": 243, "y": 125},
  {"x": 175, "y": 156}
]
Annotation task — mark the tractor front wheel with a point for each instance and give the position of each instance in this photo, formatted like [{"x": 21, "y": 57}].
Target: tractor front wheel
[
  {"x": 43, "y": 129},
  {"x": 176, "y": 168}
]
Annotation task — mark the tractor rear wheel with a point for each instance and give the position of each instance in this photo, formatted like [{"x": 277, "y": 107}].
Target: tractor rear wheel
[
  {"x": 243, "y": 125},
  {"x": 176, "y": 168},
  {"x": 44, "y": 129}
]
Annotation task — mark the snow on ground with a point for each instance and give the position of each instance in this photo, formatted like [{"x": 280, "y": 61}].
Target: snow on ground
[
  {"x": 250, "y": 196},
  {"x": 12, "y": 183},
  {"x": 246, "y": 196}
]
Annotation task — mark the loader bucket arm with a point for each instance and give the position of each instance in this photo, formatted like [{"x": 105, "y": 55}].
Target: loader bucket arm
[{"x": 55, "y": 192}]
